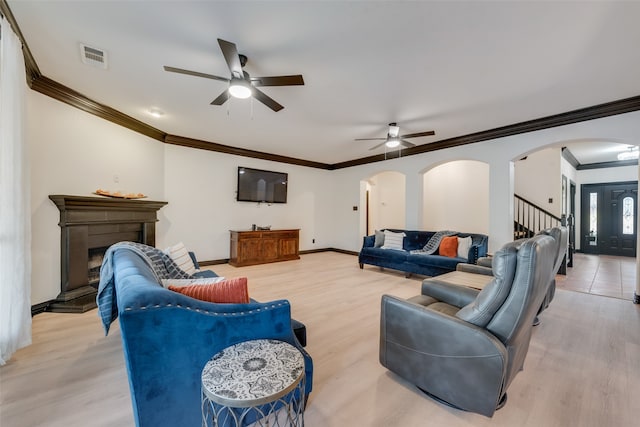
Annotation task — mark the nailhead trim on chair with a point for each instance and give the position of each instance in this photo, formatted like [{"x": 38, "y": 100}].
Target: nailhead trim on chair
[{"x": 198, "y": 310}]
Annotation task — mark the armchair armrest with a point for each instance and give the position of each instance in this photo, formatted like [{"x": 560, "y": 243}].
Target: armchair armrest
[
  {"x": 485, "y": 261},
  {"x": 476, "y": 269},
  {"x": 428, "y": 327},
  {"x": 368, "y": 241},
  {"x": 195, "y": 261},
  {"x": 457, "y": 296},
  {"x": 477, "y": 249}
]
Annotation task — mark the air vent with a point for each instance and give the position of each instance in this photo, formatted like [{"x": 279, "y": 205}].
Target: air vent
[{"x": 93, "y": 56}]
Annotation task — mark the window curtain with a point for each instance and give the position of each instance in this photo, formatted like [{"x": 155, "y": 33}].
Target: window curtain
[{"x": 15, "y": 211}]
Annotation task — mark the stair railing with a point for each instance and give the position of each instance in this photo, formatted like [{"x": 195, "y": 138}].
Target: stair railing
[{"x": 530, "y": 218}]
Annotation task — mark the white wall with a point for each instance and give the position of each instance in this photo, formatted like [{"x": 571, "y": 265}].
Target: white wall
[
  {"x": 201, "y": 189},
  {"x": 75, "y": 153},
  {"x": 456, "y": 197},
  {"x": 387, "y": 204},
  {"x": 538, "y": 178},
  {"x": 594, "y": 176}
]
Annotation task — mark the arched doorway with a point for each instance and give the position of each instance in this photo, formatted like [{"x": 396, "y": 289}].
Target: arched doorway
[{"x": 385, "y": 203}]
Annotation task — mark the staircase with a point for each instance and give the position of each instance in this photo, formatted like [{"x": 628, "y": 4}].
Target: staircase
[{"x": 529, "y": 219}]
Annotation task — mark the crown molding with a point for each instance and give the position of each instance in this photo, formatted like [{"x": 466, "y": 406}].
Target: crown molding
[
  {"x": 613, "y": 164},
  {"x": 55, "y": 90},
  {"x": 612, "y": 108},
  {"x": 569, "y": 157},
  {"x": 227, "y": 149}
]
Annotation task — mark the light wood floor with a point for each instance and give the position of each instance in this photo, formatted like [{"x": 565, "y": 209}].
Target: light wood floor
[{"x": 582, "y": 369}]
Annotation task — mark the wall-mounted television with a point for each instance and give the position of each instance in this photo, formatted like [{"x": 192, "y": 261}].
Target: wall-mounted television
[{"x": 255, "y": 185}]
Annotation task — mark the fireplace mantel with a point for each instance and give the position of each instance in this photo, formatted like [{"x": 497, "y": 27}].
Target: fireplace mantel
[{"x": 93, "y": 224}]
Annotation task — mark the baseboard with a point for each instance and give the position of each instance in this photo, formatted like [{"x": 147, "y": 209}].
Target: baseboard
[
  {"x": 343, "y": 251},
  {"x": 315, "y": 251},
  {"x": 40, "y": 308},
  {"x": 214, "y": 262}
]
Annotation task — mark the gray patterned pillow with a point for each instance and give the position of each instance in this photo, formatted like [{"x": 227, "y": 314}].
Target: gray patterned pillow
[
  {"x": 434, "y": 242},
  {"x": 379, "y": 240}
]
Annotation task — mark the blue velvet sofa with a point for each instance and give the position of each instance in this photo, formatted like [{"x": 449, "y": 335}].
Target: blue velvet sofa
[
  {"x": 168, "y": 338},
  {"x": 427, "y": 265}
]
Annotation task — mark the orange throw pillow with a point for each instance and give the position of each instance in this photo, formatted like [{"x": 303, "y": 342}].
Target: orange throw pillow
[
  {"x": 230, "y": 291},
  {"x": 449, "y": 246}
]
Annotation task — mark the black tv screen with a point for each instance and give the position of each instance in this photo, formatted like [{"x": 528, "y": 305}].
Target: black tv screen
[{"x": 255, "y": 185}]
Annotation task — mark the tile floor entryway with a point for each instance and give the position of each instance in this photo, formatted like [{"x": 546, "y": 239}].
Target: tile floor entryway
[{"x": 612, "y": 276}]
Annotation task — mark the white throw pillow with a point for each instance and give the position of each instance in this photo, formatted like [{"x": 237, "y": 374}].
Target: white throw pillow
[
  {"x": 464, "y": 243},
  {"x": 179, "y": 283},
  {"x": 393, "y": 240},
  {"x": 180, "y": 256}
]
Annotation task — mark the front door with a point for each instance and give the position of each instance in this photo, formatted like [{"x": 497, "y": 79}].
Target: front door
[{"x": 609, "y": 219}]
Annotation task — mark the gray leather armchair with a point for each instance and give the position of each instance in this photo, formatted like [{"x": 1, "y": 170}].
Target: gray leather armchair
[
  {"x": 560, "y": 234},
  {"x": 463, "y": 346}
]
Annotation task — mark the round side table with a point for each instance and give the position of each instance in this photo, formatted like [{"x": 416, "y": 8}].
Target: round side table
[{"x": 258, "y": 383}]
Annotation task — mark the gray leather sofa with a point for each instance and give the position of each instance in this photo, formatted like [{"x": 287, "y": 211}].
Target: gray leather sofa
[{"x": 464, "y": 346}]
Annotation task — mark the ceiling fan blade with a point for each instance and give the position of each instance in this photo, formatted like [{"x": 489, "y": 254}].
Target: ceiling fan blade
[
  {"x": 194, "y": 73},
  {"x": 378, "y": 146},
  {"x": 230, "y": 53},
  {"x": 266, "y": 100},
  {"x": 295, "y": 80},
  {"x": 370, "y": 139},
  {"x": 221, "y": 99},
  {"x": 416, "y": 135},
  {"x": 406, "y": 144}
]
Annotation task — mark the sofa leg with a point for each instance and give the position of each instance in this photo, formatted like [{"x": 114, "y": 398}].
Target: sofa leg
[
  {"x": 361, "y": 266},
  {"x": 407, "y": 275}
]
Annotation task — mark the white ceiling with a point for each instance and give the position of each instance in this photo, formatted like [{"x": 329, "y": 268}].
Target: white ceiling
[{"x": 455, "y": 67}]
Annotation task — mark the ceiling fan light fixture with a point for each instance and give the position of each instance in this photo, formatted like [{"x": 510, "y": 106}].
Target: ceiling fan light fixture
[
  {"x": 392, "y": 142},
  {"x": 239, "y": 88},
  {"x": 630, "y": 154}
]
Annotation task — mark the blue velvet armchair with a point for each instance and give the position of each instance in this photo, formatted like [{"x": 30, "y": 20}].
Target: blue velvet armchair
[{"x": 168, "y": 338}]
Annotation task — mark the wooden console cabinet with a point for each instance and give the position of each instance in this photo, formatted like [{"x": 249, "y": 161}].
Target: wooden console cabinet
[{"x": 263, "y": 246}]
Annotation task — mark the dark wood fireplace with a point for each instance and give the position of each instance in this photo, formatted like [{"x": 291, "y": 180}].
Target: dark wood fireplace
[{"x": 89, "y": 225}]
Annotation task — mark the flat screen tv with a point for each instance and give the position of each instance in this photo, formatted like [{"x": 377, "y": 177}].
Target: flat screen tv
[{"x": 255, "y": 185}]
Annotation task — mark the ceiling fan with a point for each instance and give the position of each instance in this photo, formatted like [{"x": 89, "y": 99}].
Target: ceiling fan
[
  {"x": 394, "y": 138},
  {"x": 241, "y": 85}
]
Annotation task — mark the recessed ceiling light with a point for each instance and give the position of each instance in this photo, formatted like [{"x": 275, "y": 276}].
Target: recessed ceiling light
[{"x": 156, "y": 112}]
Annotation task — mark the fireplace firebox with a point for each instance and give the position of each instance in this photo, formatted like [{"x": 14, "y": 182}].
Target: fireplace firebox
[{"x": 89, "y": 225}]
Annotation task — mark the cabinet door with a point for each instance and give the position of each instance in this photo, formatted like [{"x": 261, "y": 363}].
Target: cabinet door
[
  {"x": 269, "y": 249},
  {"x": 288, "y": 248},
  {"x": 249, "y": 250}
]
